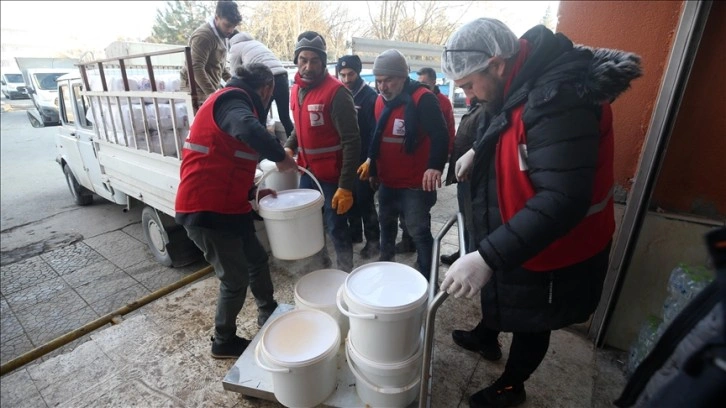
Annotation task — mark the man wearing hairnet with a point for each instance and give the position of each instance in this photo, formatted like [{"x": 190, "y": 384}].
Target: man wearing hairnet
[{"x": 541, "y": 173}]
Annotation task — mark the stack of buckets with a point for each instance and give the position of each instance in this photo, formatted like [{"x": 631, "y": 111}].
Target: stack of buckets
[
  {"x": 385, "y": 303},
  {"x": 301, "y": 346}
]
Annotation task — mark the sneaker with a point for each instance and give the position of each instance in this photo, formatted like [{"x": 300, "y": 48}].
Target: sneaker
[
  {"x": 449, "y": 259},
  {"x": 470, "y": 341},
  {"x": 499, "y": 395},
  {"x": 230, "y": 349},
  {"x": 404, "y": 246},
  {"x": 371, "y": 249}
]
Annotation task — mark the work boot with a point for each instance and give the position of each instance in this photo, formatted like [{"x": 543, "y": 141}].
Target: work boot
[
  {"x": 499, "y": 395},
  {"x": 470, "y": 341},
  {"x": 371, "y": 249},
  {"x": 405, "y": 245},
  {"x": 449, "y": 259},
  {"x": 230, "y": 349}
]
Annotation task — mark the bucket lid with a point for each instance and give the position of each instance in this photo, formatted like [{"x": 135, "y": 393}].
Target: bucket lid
[
  {"x": 386, "y": 285},
  {"x": 288, "y": 200},
  {"x": 320, "y": 288},
  {"x": 300, "y": 337}
]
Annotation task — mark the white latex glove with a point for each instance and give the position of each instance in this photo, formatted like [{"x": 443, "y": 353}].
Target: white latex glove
[
  {"x": 464, "y": 165},
  {"x": 467, "y": 276}
]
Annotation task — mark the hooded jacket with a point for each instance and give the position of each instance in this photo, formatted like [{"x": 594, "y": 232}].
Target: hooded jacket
[
  {"x": 561, "y": 89},
  {"x": 243, "y": 49}
]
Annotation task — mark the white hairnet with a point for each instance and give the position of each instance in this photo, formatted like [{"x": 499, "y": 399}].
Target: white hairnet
[{"x": 470, "y": 48}]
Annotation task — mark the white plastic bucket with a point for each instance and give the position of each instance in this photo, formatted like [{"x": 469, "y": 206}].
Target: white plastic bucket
[
  {"x": 294, "y": 221},
  {"x": 276, "y": 180},
  {"x": 380, "y": 396},
  {"x": 260, "y": 225},
  {"x": 385, "y": 303},
  {"x": 299, "y": 348},
  {"x": 394, "y": 375},
  {"x": 317, "y": 290}
]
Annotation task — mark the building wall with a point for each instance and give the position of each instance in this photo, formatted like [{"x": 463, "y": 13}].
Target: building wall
[
  {"x": 646, "y": 28},
  {"x": 692, "y": 179}
]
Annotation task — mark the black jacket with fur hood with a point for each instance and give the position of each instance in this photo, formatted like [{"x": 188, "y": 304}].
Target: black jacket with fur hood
[{"x": 562, "y": 87}]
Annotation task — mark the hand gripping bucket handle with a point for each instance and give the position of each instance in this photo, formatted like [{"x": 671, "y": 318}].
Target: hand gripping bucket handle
[
  {"x": 264, "y": 176},
  {"x": 382, "y": 390},
  {"x": 264, "y": 367},
  {"x": 345, "y": 311}
]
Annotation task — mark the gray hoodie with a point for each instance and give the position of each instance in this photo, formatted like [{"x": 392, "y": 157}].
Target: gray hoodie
[{"x": 244, "y": 50}]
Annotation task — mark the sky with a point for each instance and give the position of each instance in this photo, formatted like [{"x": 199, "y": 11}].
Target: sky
[{"x": 98, "y": 23}]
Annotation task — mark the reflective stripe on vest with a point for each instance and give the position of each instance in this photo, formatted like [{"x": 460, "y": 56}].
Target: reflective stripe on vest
[
  {"x": 205, "y": 150},
  {"x": 196, "y": 147},
  {"x": 321, "y": 150},
  {"x": 398, "y": 140},
  {"x": 596, "y": 208}
]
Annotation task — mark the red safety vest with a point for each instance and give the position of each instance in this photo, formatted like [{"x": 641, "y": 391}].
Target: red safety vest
[
  {"x": 217, "y": 170},
  {"x": 514, "y": 189},
  {"x": 395, "y": 167},
  {"x": 319, "y": 147},
  {"x": 448, "y": 110}
]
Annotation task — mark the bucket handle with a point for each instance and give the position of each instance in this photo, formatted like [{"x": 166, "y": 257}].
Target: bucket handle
[
  {"x": 264, "y": 367},
  {"x": 345, "y": 311},
  {"x": 382, "y": 390},
  {"x": 264, "y": 176}
]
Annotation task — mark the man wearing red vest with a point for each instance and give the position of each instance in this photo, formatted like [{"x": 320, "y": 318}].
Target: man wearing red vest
[
  {"x": 220, "y": 157},
  {"x": 541, "y": 172},
  {"x": 407, "y": 155},
  {"x": 327, "y": 139}
]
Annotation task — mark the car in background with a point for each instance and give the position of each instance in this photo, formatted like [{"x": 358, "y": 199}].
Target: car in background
[
  {"x": 12, "y": 85},
  {"x": 460, "y": 100}
]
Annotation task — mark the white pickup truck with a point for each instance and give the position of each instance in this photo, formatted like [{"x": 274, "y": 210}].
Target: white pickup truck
[{"x": 121, "y": 136}]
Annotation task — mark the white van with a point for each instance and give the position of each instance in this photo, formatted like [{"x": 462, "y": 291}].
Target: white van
[{"x": 11, "y": 81}]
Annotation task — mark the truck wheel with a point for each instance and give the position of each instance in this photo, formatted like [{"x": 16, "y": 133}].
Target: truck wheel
[
  {"x": 167, "y": 240},
  {"x": 80, "y": 194}
]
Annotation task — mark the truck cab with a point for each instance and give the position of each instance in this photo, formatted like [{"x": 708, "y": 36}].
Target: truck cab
[{"x": 76, "y": 152}]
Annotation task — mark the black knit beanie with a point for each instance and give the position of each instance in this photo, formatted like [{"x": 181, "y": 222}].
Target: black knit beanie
[{"x": 349, "y": 61}]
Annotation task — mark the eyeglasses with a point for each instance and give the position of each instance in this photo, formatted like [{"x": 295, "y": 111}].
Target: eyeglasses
[{"x": 448, "y": 51}]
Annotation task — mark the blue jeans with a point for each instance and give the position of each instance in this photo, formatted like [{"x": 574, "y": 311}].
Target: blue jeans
[
  {"x": 336, "y": 225},
  {"x": 414, "y": 206}
]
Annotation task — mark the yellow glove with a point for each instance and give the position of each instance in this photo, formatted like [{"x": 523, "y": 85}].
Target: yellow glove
[
  {"x": 342, "y": 200},
  {"x": 363, "y": 170}
]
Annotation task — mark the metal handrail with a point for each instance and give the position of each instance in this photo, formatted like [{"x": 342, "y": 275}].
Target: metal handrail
[{"x": 435, "y": 300}]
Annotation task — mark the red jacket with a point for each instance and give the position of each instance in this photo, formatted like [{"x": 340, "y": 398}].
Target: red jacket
[
  {"x": 319, "y": 147},
  {"x": 448, "y": 110},
  {"x": 514, "y": 188},
  {"x": 217, "y": 170},
  {"x": 395, "y": 167}
]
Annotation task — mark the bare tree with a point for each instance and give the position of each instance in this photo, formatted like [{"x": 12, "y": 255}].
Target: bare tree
[
  {"x": 278, "y": 23},
  {"x": 428, "y": 22}
]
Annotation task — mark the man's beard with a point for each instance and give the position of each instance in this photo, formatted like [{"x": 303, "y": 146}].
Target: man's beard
[{"x": 494, "y": 105}]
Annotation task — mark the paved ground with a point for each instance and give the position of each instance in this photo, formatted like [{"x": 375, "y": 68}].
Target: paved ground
[{"x": 159, "y": 355}]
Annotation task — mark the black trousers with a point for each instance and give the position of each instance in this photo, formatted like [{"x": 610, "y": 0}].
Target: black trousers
[{"x": 525, "y": 354}]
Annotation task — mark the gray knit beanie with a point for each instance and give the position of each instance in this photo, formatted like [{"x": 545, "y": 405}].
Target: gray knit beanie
[
  {"x": 390, "y": 63},
  {"x": 311, "y": 41}
]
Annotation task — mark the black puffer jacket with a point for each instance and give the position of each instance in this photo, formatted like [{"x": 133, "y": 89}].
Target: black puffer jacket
[{"x": 562, "y": 88}]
